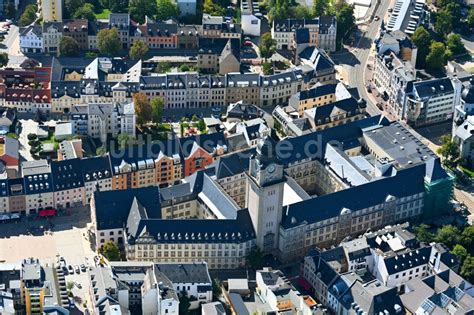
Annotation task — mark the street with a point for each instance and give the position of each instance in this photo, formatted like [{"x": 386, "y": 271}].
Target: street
[
  {"x": 11, "y": 45},
  {"x": 354, "y": 62}
]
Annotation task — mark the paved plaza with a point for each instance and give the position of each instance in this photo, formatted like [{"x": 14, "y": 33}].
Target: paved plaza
[{"x": 65, "y": 235}]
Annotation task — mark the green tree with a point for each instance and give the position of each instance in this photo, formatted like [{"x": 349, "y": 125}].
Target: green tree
[
  {"x": 267, "y": 68},
  {"x": 467, "y": 269},
  {"x": 460, "y": 252},
  {"x": 455, "y": 44},
  {"x": 470, "y": 18},
  {"x": 449, "y": 150},
  {"x": 216, "y": 287},
  {"x": 302, "y": 12},
  {"x": 201, "y": 125},
  {"x": 320, "y": 7},
  {"x": 448, "y": 235},
  {"x": 3, "y": 59},
  {"x": 123, "y": 139},
  {"x": 422, "y": 39},
  {"x": 116, "y": 6},
  {"x": 72, "y": 6},
  {"x": 108, "y": 41},
  {"x": 29, "y": 15},
  {"x": 100, "y": 150},
  {"x": 138, "y": 50},
  {"x": 143, "y": 110},
  {"x": 213, "y": 8},
  {"x": 68, "y": 46},
  {"x": 157, "y": 109},
  {"x": 184, "y": 68},
  {"x": 91, "y": 54},
  {"x": 444, "y": 23},
  {"x": 69, "y": 286},
  {"x": 467, "y": 238},
  {"x": 436, "y": 58},
  {"x": 184, "y": 303},
  {"x": 267, "y": 45},
  {"x": 10, "y": 10},
  {"x": 345, "y": 21},
  {"x": 163, "y": 67},
  {"x": 85, "y": 12},
  {"x": 110, "y": 251},
  {"x": 166, "y": 9},
  {"x": 454, "y": 9},
  {"x": 423, "y": 234},
  {"x": 279, "y": 9},
  {"x": 140, "y": 8},
  {"x": 255, "y": 258}
]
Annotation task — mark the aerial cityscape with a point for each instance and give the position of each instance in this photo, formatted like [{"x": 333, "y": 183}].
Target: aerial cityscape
[{"x": 247, "y": 157}]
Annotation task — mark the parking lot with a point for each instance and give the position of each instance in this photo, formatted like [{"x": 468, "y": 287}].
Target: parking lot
[{"x": 47, "y": 239}]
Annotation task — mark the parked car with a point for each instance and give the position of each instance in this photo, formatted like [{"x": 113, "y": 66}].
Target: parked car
[
  {"x": 83, "y": 268},
  {"x": 70, "y": 269},
  {"x": 76, "y": 268},
  {"x": 377, "y": 18},
  {"x": 248, "y": 43},
  {"x": 77, "y": 284}
]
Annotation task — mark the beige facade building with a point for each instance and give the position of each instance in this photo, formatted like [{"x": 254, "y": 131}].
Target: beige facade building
[{"x": 51, "y": 10}]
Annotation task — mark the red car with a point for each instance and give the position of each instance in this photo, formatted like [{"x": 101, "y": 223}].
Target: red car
[{"x": 248, "y": 43}]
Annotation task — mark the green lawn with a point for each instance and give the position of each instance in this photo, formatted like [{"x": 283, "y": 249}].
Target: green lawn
[{"x": 103, "y": 15}]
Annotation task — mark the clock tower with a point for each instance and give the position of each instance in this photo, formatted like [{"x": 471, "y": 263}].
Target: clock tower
[{"x": 264, "y": 197}]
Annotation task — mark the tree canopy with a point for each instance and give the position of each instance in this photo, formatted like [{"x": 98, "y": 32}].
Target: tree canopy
[
  {"x": 436, "y": 58},
  {"x": 117, "y": 6},
  {"x": 422, "y": 39},
  {"x": 10, "y": 10},
  {"x": 460, "y": 251},
  {"x": 213, "y": 8},
  {"x": 255, "y": 258},
  {"x": 321, "y": 7},
  {"x": 143, "y": 108},
  {"x": 68, "y": 46},
  {"x": 267, "y": 45},
  {"x": 28, "y": 16},
  {"x": 72, "y": 6},
  {"x": 449, "y": 150},
  {"x": 157, "y": 108},
  {"x": 108, "y": 41},
  {"x": 3, "y": 59},
  {"x": 138, "y": 50},
  {"x": 449, "y": 235},
  {"x": 111, "y": 251},
  {"x": 467, "y": 268},
  {"x": 140, "y": 8},
  {"x": 444, "y": 23},
  {"x": 455, "y": 44},
  {"x": 166, "y": 9},
  {"x": 470, "y": 18},
  {"x": 345, "y": 21},
  {"x": 123, "y": 140},
  {"x": 85, "y": 12},
  {"x": 423, "y": 234}
]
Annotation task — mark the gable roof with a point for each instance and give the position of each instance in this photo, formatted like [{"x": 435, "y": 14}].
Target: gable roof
[
  {"x": 113, "y": 207},
  {"x": 406, "y": 182}
]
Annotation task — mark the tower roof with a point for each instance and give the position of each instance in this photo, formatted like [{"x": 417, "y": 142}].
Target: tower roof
[{"x": 267, "y": 150}]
